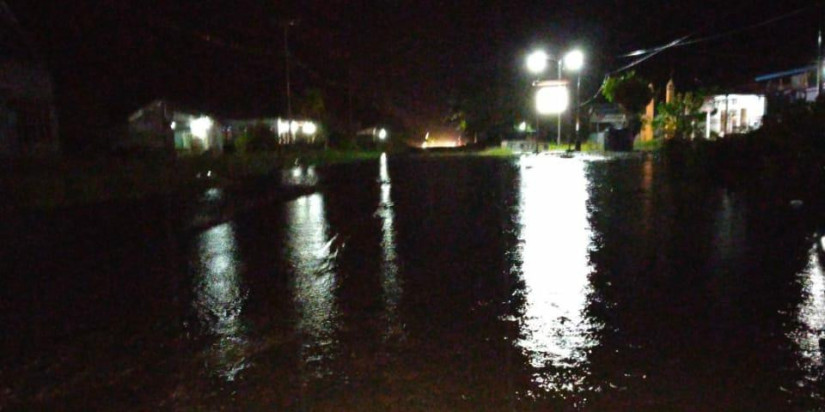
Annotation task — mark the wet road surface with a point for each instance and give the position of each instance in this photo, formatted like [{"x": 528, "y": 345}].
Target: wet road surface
[{"x": 538, "y": 283}]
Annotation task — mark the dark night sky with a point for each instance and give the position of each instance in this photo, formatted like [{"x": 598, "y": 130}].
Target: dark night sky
[{"x": 404, "y": 59}]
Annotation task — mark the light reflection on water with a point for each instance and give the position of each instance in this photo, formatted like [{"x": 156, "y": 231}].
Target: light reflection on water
[
  {"x": 219, "y": 300},
  {"x": 730, "y": 230},
  {"x": 811, "y": 315},
  {"x": 555, "y": 237},
  {"x": 390, "y": 284},
  {"x": 213, "y": 194},
  {"x": 312, "y": 253},
  {"x": 299, "y": 175}
]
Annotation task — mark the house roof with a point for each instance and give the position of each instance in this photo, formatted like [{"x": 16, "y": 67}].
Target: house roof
[{"x": 786, "y": 73}]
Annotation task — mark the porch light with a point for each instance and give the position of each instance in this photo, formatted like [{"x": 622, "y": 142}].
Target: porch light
[
  {"x": 200, "y": 127},
  {"x": 309, "y": 128}
]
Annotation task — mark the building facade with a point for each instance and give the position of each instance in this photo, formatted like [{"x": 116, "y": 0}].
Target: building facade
[
  {"x": 792, "y": 85},
  {"x": 28, "y": 119},
  {"x": 163, "y": 126},
  {"x": 733, "y": 113}
]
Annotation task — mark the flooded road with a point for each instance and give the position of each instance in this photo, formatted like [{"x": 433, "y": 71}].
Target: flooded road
[{"x": 537, "y": 283}]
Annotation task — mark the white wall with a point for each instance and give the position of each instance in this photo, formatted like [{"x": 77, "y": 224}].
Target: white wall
[{"x": 734, "y": 113}]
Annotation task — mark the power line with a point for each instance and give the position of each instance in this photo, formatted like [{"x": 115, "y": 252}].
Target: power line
[
  {"x": 646, "y": 54},
  {"x": 656, "y": 50},
  {"x": 650, "y": 55},
  {"x": 635, "y": 63}
]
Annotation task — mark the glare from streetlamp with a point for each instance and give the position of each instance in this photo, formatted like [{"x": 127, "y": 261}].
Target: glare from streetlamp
[
  {"x": 552, "y": 99},
  {"x": 382, "y": 134},
  {"x": 537, "y": 61},
  {"x": 574, "y": 60}
]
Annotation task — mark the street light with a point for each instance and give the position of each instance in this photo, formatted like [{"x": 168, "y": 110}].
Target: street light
[
  {"x": 536, "y": 64},
  {"x": 552, "y": 97},
  {"x": 572, "y": 61},
  {"x": 537, "y": 61},
  {"x": 286, "y": 25}
]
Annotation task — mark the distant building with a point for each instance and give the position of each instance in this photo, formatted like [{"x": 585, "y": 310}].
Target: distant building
[
  {"x": 525, "y": 146},
  {"x": 162, "y": 126},
  {"x": 168, "y": 127},
  {"x": 28, "y": 120},
  {"x": 792, "y": 85},
  {"x": 297, "y": 131},
  {"x": 733, "y": 113},
  {"x": 603, "y": 118}
]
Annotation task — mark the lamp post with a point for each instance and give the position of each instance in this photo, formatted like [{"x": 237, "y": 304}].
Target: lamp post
[
  {"x": 536, "y": 64},
  {"x": 572, "y": 61},
  {"x": 286, "y": 25},
  {"x": 558, "y": 122}
]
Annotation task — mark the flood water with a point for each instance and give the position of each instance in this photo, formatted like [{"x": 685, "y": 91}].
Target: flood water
[{"x": 536, "y": 283}]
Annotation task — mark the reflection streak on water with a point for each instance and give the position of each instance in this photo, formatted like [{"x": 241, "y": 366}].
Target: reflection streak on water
[
  {"x": 213, "y": 194},
  {"x": 811, "y": 312},
  {"x": 389, "y": 266},
  {"x": 220, "y": 299},
  {"x": 555, "y": 237},
  {"x": 730, "y": 230},
  {"x": 299, "y": 175},
  {"x": 312, "y": 254}
]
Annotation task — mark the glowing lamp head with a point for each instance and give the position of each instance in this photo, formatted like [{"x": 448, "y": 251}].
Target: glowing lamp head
[
  {"x": 309, "y": 128},
  {"x": 522, "y": 127},
  {"x": 382, "y": 134},
  {"x": 200, "y": 127},
  {"x": 552, "y": 99},
  {"x": 537, "y": 61},
  {"x": 574, "y": 61}
]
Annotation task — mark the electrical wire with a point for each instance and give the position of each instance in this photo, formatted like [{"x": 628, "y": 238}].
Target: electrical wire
[
  {"x": 642, "y": 52},
  {"x": 658, "y": 50},
  {"x": 646, "y": 54}
]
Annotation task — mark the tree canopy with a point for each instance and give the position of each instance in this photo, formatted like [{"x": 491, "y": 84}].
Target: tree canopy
[
  {"x": 679, "y": 118},
  {"x": 630, "y": 92}
]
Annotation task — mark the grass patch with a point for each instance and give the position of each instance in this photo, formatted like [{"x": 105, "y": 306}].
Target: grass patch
[
  {"x": 496, "y": 152},
  {"x": 648, "y": 146}
]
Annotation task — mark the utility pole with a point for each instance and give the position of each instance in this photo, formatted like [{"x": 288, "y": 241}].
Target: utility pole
[
  {"x": 538, "y": 131},
  {"x": 350, "y": 107},
  {"x": 287, "y": 24},
  {"x": 558, "y": 130},
  {"x": 578, "y": 107},
  {"x": 819, "y": 66}
]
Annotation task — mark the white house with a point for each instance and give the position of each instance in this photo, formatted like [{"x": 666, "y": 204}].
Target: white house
[
  {"x": 733, "y": 113},
  {"x": 164, "y": 126}
]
